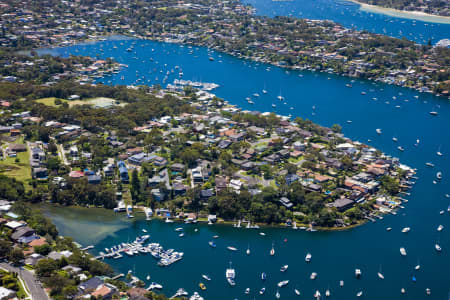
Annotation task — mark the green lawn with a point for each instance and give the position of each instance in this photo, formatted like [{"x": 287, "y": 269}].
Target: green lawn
[
  {"x": 20, "y": 170},
  {"x": 49, "y": 101},
  {"x": 293, "y": 160}
]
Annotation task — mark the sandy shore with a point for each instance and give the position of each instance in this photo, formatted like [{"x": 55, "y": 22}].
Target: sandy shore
[{"x": 413, "y": 15}]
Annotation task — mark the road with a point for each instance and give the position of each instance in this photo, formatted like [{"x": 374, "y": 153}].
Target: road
[{"x": 37, "y": 292}]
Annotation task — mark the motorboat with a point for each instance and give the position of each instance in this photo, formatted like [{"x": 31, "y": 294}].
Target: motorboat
[
  {"x": 202, "y": 286},
  {"x": 341, "y": 283},
  {"x": 247, "y": 291},
  {"x": 359, "y": 294},
  {"x": 438, "y": 248},
  {"x": 196, "y": 296},
  {"x": 232, "y": 248},
  {"x": 428, "y": 291},
  {"x": 327, "y": 293},
  {"x": 358, "y": 273},
  {"x": 277, "y": 295},
  {"x": 378, "y": 130},
  {"x": 284, "y": 268},
  {"x": 230, "y": 274},
  {"x": 388, "y": 229},
  {"x": 272, "y": 251},
  {"x": 402, "y": 251},
  {"x": 440, "y": 228},
  {"x": 429, "y": 164},
  {"x": 381, "y": 276},
  {"x": 400, "y": 148},
  {"x": 439, "y": 175},
  {"x": 180, "y": 293},
  {"x": 313, "y": 276},
  {"x": 433, "y": 113},
  {"x": 297, "y": 292},
  {"x": 262, "y": 290},
  {"x": 212, "y": 244},
  {"x": 154, "y": 286},
  {"x": 403, "y": 291},
  {"x": 283, "y": 283},
  {"x": 406, "y": 229}
]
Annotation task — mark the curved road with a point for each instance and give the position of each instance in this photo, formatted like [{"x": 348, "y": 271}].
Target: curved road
[{"x": 33, "y": 285}]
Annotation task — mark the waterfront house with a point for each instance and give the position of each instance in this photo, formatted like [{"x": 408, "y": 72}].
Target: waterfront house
[
  {"x": 22, "y": 234},
  {"x": 343, "y": 204},
  {"x": 286, "y": 202}
]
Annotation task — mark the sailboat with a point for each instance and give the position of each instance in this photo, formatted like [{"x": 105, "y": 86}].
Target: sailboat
[
  {"x": 272, "y": 251},
  {"x": 417, "y": 267},
  {"x": 308, "y": 257},
  {"x": 281, "y": 98},
  {"x": 296, "y": 291},
  {"x": 439, "y": 153},
  {"x": 380, "y": 275},
  {"x": 277, "y": 295},
  {"x": 248, "y": 250}
]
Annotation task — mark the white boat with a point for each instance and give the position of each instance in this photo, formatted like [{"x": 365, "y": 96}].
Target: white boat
[
  {"x": 196, "y": 296},
  {"x": 403, "y": 291},
  {"x": 263, "y": 276},
  {"x": 359, "y": 294},
  {"x": 406, "y": 229},
  {"x": 262, "y": 291},
  {"x": 181, "y": 235},
  {"x": 327, "y": 293},
  {"x": 248, "y": 250},
  {"x": 428, "y": 291},
  {"x": 247, "y": 291},
  {"x": 381, "y": 276},
  {"x": 402, "y": 251},
  {"x": 154, "y": 285},
  {"x": 341, "y": 283},
  {"x": 440, "y": 228},
  {"x": 284, "y": 268},
  {"x": 317, "y": 295},
  {"x": 378, "y": 130},
  {"x": 179, "y": 229},
  {"x": 438, "y": 248},
  {"x": 206, "y": 277},
  {"x": 358, "y": 273},
  {"x": 297, "y": 292},
  {"x": 262, "y": 233},
  {"x": 272, "y": 251},
  {"x": 417, "y": 267},
  {"x": 148, "y": 277},
  {"x": 429, "y": 164},
  {"x": 277, "y": 295},
  {"x": 308, "y": 257},
  {"x": 395, "y": 139},
  {"x": 439, "y": 175},
  {"x": 283, "y": 283},
  {"x": 230, "y": 274},
  {"x": 232, "y": 248},
  {"x": 313, "y": 276},
  {"x": 388, "y": 229},
  {"x": 180, "y": 292}
]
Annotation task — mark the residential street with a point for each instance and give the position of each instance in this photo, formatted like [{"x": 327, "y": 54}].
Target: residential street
[{"x": 37, "y": 292}]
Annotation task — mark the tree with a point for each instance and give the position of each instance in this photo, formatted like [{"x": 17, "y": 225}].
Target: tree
[
  {"x": 135, "y": 185},
  {"x": 5, "y": 247},
  {"x": 16, "y": 256},
  {"x": 336, "y": 128}
]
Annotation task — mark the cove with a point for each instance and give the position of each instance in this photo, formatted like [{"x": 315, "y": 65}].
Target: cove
[
  {"x": 350, "y": 15},
  {"x": 335, "y": 254}
]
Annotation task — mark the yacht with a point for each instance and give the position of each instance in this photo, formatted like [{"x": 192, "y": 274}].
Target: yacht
[
  {"x": 358, "y": 273},
  {"x": 212, "y": 244},
  {"x": 284, "y": 268},
  {"x": 308, "y": 257},
  {"x": 395, "y": 139},
  {"x": 264, "y": 91},
  {"x": 378, "y": 130},
  {"x": 256, "y": 95},
  {"x": 402, "y": 251},
  {"x": 428, "y": 164},
  {"x": 206, "y": 277},
  {"x": 283, "y": 283},
  {"x": 439, "y": 175},
  {"x": 263, "y": 276},
  {"x": 154, "y": 285},
  {"x": 180, "y": 292},
  {"x": 232, "y": 248},
  {"x": 341, "y": 283},
  {"x": 313, "y": 276},
  {"x": 400, "y": 148},
  {"x": 388, "y": 229},
  {"x": 438, "y": 248},
  {"x": 359, "y": 294},
  {"x": 381, "y": 276},
  {"x": 230, "y": 275},
  {"x": 317, "y": 295},
  {"x": 433, "y": 113},
  {"x": 440, "y": 228},
  {"x": 261, "y": 291},
  {"x": 196, "y": 296},
  {"x": 406, "y": 229},
  {"x": 272, "y": 251},
  {"x": 247, "y": 291}
]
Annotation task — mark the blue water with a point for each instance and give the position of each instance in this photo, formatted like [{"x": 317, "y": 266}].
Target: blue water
[
  {"x": 349, "y": 15},
  {"x": 335, "y": 254}
]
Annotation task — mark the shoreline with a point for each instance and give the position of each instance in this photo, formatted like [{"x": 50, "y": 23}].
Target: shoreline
[{"x": 411, "y": 15}]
